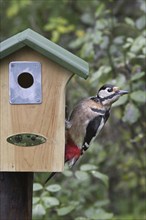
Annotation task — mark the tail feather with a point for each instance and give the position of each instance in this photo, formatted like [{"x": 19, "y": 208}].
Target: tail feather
[
  {"x": 72, "y": 154},
  {"x": 50, "y": 176}
]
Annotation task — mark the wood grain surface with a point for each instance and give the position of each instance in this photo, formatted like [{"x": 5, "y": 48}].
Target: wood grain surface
[{"x": 46, "y": 119}]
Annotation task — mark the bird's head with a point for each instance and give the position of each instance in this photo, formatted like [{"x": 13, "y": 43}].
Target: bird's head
[{"x": 108, "y": 94}]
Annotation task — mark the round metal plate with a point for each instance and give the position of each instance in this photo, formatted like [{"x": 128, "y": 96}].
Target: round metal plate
[{"x": 26, "y": 139}]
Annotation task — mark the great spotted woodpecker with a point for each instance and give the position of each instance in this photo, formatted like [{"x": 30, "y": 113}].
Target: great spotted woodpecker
[{"x": 86, "y": 121}]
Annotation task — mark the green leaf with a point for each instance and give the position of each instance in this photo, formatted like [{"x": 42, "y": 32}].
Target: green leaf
[
  {"x": 102, "y": 203},
  {"x": 102, "y": 216},
  {"x": 87, "y": 167},
  {"x": 98, "y": 214},
  {"x": 76, "y": 43},
  {"x": 131, "y": 55},
  {"x": 137, "y": 138},
  {"x": 13, "y": 10},
  {"x": 141, "y": 22},
  {"x": 39, "y": 210},
  {"x": 138, "y": 96},
  {"x": 100, "y": 9},
  {"x": 127, "y": 45},
  {"x": 16, "y": 7},
  {"x": 50, "y": 201},
  {"x": 102, "y": 71},
  {"x": 137, "y": 76},
  {"x": 119, "y": 81},
  {"x": 65, "y": 210},
  {"x": 101, "y": 176},
  {"x": 138, "y": 44},
  {"x": 144, "y": 50},
  {"x": 35, "y": 200},
  {"x": 131, "y": 113},
  {"x": 87, "y": 19},
  {"x": 129, "y": 21},
  {"x": 53, "y": 188},
  {"x": 37, "y": 187},
  {"x": 81, "y": 218},
  {"x": 130, "y": 40},
  {"x": 81, "y": 175},
  {"x": 119, "y": 40},
  {"x": 67, "y": 173}
]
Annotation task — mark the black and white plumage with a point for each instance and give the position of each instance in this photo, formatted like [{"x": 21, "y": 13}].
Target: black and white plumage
[
  {"x": 90, "y": 115},
  {"x": 87, "y": 120}
]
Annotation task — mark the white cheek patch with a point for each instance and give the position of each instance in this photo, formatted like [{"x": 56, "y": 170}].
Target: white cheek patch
[
  {"x": 106, "y": 97},
  {"x": 101, "y": 93},
  {"x": 104, "y": 93}
]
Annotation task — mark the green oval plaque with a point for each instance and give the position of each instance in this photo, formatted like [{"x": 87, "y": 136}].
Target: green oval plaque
[{"x": 26, "y": 139}]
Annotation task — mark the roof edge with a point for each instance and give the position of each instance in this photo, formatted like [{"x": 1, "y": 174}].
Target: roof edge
[{"x": 47, "y": 48}]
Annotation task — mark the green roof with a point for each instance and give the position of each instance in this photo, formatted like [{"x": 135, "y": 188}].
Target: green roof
[{"x": 44, "y": 46}]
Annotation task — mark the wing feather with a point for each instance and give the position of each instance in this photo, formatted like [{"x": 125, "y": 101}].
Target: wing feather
[{"x": 92, "y": 130}]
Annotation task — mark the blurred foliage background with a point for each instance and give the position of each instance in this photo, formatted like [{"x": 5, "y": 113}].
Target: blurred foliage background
[{"x": 109, "y": 182}]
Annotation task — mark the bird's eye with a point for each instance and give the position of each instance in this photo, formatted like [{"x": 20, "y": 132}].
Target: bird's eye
[{"x": 109, "y": 89}]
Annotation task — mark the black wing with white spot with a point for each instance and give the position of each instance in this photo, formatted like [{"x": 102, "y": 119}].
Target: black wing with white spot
[{"x": 91, "y": 131}]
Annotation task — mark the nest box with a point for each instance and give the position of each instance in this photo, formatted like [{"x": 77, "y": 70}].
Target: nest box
[{"x": 33, "y": 75}]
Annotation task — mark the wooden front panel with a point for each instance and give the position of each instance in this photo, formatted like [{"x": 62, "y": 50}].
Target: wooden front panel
[{"x": 46, "y": 119}]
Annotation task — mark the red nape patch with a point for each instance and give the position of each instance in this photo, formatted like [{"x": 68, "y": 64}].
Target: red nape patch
[{"x": 72, "y": 151}]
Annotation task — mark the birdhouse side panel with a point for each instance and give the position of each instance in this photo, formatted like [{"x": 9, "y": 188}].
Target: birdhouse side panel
[
  {"x": 45, "y": 119},
  {"x": 7, "y": 154}
]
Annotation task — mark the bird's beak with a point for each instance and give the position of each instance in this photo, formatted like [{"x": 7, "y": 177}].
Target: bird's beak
[{"x": 122, "y": 92}]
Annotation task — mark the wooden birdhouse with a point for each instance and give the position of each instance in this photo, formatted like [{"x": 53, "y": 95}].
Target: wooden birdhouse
[{"x": 33, "y": 75}]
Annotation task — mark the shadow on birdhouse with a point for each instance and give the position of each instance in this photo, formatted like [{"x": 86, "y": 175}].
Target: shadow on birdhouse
[{"x": 33, "y": 75}]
